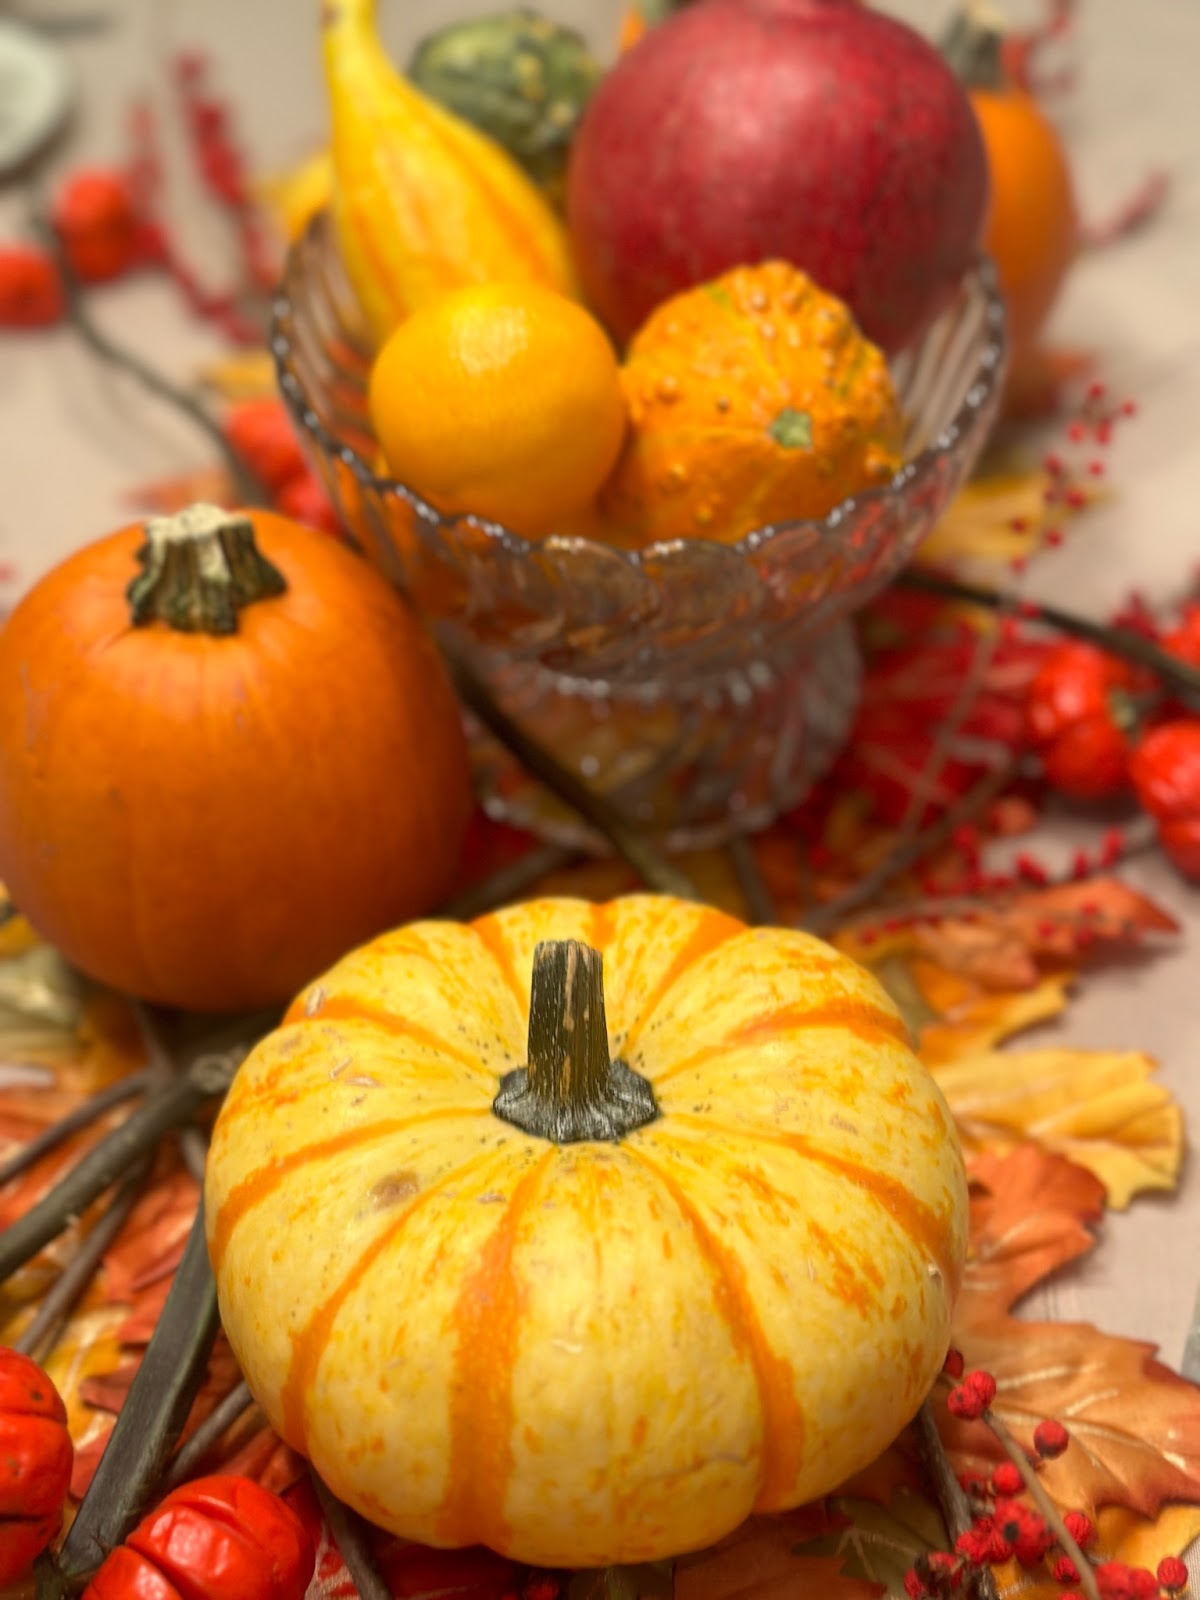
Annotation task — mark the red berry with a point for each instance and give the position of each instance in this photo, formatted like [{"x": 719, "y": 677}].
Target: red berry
[
  {"x": 1081, "y": 1528},
  {"x": 914, "y": 1585},
  {"x": 1079, "y": 717},
  {"x": 1064, "y": 1570},
  {"x": 97, "y": 222},
  {"x": 1166, "y": 777},
  {"x": 261, "y": 432},
  {"x": 1172, "y": 1573},
  {"x": 1183, "y": 641},
  {"x": 30, "y": 291},
  {"x": 304, "y": 499},
  {"x": 1006, "y": 1479},
  {"x": 953, "y": 1364},
  {"x": 1050, "y": 1439}
]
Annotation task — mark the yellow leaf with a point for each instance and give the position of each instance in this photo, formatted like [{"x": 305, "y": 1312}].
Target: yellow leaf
[
  {"x": 1098, "y": 1108},
  {"x": 979, "y": 525},
  {"x": 246, "y": 375},
  {"x": 295, "y": 196},
  {"x": 979, "y": 1022}
]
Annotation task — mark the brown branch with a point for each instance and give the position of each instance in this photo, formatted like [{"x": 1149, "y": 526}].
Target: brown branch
[
  {"x": 1180, "y": 676},
  {"x": 197, "y": 1445},
  {"x": 949, "y": 1493},
  {"x": 75, "y": 1121},
  {"x": 507, "y": 883},
  {"x": 637, "y": 851},
  {"x": 248, "y": 489},
  {"x": 1049, "y": 1511},
  {"x": 40, "y": 1337},
  {"x": 760, "y": 904},
  {"x": 829, "y": 916},
  {"x": 349, "y": 1534}
]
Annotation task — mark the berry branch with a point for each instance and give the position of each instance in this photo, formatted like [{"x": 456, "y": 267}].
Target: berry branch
[{"x": 1125, "y": 643}]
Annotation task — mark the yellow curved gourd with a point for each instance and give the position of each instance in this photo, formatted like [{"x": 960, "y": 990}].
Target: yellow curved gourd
[
  {"x": 422, "y": 202},
  {"x": 503, "y": 1287}
]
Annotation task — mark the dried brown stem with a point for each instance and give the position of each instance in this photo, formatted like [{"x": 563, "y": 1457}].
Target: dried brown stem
[
  {"x": 655, "y": 870},
  {"x": 349, "y": 1534},
  {"x": 1049, "y": 1511},
  {"x": 248, "y": 489},
  {"x": 829, "y": 916},
  {"x": 40, "y": 1337},
  {"x": 1129, "y": 645},
  {"x": 507, "y": 883},
  {"x": 198, "y": 1444},
  {"x": 75, "y": 1121},
  {"x": 955, "y": 1507},
  {"x": 760, "y": 905}
]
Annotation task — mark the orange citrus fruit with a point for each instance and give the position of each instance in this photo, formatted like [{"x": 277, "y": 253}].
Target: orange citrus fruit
[{"x": 500, "y": 399}]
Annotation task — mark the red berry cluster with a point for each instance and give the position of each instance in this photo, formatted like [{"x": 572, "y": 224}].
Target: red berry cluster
[
  {"x": 1105, "y": 729},
  {"x": 262, "y": 434},
  {"x": 1008, "y": 1526},
  {"x": 110, "y": 222}
]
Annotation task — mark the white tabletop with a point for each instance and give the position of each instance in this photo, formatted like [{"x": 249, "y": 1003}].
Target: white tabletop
[{"x": 74, "y": 437}]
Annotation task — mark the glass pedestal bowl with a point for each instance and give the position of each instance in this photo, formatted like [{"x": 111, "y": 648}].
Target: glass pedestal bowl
[{"x": 702, "y": 687}]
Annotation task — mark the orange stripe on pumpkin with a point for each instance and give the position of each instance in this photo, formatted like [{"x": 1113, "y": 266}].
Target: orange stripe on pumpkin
[
  {"x": 864, "y": 1021},
  {"x": 603, "y": 930},
  {"x": 714, "y": 929},
  {"x": 783, "y": 1429},
  {"x": 491, "y": 935},
  {"x": 924, "y": 1226},
  {"x": 486, "y": 1320},
  {"x": 252, "y": 1191},
  {"x": 347, "y": 1008},
  {"x": 310, "y": 1343}
]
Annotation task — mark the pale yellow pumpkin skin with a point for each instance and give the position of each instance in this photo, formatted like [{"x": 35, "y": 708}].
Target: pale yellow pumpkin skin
[{"x": 599, "y": 1352}]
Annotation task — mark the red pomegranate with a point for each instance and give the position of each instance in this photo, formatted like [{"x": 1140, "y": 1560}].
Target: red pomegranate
[{"x": 815, "y": 131}]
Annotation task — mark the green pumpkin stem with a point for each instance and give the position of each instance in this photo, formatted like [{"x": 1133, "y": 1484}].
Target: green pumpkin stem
[
  {"x": 572, "y": 1089},
  {"x": 973, "y": 46},
  {"x": 200, "y": 568}
]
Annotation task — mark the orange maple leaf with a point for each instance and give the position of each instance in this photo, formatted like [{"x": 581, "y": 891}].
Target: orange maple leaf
[
  {"x": 1134, "y": 1424},
  {"x": 764, "y": 1559}
]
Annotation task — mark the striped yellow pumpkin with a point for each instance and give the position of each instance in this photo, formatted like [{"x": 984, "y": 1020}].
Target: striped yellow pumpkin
[{"x": 503, "y": 1289}]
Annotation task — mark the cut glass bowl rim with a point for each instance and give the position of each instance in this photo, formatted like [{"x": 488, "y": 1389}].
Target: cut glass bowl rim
[{"x": 976, "y": 402}]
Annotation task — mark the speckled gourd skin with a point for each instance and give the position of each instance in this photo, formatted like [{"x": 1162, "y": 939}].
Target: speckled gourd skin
[{"x": 593, "y": 1353}]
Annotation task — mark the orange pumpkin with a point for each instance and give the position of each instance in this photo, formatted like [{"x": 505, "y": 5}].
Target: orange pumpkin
[
  {"x": 36, "y": 1454},
  {"x": 582, "y": 1231},
  {"x": 752, "y": 399},
  {"x": 228, "y": 753},
  {"x": 1033, "y": 226}
]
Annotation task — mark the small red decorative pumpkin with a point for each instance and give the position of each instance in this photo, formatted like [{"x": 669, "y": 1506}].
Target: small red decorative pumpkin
[
  {"x": 35, "y": 1462},
  {"x": 219, "y": 1538}
]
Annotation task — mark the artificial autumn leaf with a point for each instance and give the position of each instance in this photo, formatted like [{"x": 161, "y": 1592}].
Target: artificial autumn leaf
[
  {"x": 968, "y": 1018},
  {"x": 1134, "y": 1424},
  {"x": 979, "y": 525},
  {"x": 1006, "y": 945},
  {"x": 1099, "y": 1108},
  {"x": 1120, "y": 1536},
  {"x": 767, "y": 1558},
  {"x": 879, "y": 1544},
  {"x": 651, "y": 1581},
  {"x": 244, "y": 375}
]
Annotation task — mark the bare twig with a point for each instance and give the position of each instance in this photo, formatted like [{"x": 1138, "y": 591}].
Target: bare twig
[
  {"x": 634, "y": 848},
  {"x": 1049, "y": 1511},
  {"x": 1126, "y": 643},
  {"x": 248, "y": 490},
  {"x": 348, "y": 1532},
  {"x": 148, "y": 1423},
  {"x": 508, "y": 883},
  {"x": 194, "y": 1449},
  {"x": 829, "y": 916},
  {"x": 82, "y": 1117},
  {"x": 760, "y": 905},
  {"x": 955, "y": 1508},
  {"x": 42, "y": 1333},
  {"x": 171, "y": 1107}
]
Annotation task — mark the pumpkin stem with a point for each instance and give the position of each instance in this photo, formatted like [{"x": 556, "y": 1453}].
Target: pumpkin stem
[
  {"x": 199, "y": 569},
  {"x": 572, "y": 1089},
  {"x": 973, "y": 46}
]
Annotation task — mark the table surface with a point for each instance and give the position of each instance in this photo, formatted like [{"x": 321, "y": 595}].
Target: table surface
[{"x": 74, "y": 437}]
